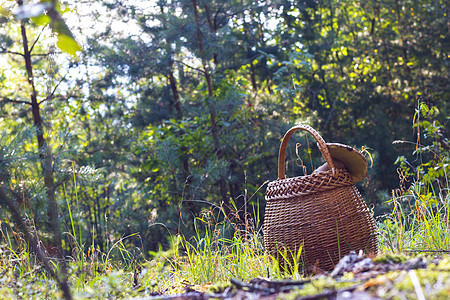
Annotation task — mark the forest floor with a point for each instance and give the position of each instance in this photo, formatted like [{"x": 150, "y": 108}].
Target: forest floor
[{"x": 414, "y": 276}]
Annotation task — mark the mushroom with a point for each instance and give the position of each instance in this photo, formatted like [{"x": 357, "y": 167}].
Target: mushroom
[
  {"x": 325, "y": 166},
  {"x": 346, "y": 157}
]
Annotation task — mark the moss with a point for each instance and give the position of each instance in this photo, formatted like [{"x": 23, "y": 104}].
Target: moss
[
  {"x": 434, "y": 283},
  {"x": 444, "y": 264},
  {"x": 390, "y": 258},
  {"x": 218, "y": 287},
  {"x": 315, "y": 287}
]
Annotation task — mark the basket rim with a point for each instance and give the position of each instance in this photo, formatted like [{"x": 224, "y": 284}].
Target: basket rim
[{"x": 286, "y": 188}]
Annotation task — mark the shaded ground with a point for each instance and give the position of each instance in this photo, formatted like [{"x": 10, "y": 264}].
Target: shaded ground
[{"x": 355, "y": 277}]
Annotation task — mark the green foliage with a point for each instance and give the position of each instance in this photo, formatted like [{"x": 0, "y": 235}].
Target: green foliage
[
  {"x": 420, "y": 218},
  {"x": 169, "y": 114},
  {"x": 48, "y": 12}
]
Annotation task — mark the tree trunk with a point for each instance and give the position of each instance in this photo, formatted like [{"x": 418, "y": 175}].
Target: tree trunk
[
  {"x": 176, "y": 98},
  {"x": 44, "y": 151},
  {"x": 46, "y": 163},
  {"x": 212, "y": 111}
]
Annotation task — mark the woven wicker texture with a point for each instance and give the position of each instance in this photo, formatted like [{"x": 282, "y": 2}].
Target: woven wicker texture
[{"x": 323, "y": 212}]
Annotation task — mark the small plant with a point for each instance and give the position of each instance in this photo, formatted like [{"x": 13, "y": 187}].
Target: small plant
[
  {"x": 288, "y": 263},
  {"x": 421, "y": 211}
]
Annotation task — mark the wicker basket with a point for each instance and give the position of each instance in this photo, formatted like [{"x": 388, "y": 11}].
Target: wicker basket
[{"x": 323, "y": 213}]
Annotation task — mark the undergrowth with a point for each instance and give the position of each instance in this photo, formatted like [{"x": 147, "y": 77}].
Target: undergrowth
[
  {"x": 420, "y": 218},
  {"x": 209, "y": 258},
  {"x": 222, "y": 249}
]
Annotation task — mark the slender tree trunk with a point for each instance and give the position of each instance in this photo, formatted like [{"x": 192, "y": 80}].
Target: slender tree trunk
[
  {"x": 46, "y": 162},
  {"x": 176, "y": 98},
  {"x": 252, "y": 67},
  {"x": 44, "y": 151},
  {"x": 98, "y": 226},
  {"x": 179, "y": 116},
  {"x": 404, "y": 41},
  {"x": 212, "y": 111},
  {"x": 183, "y": 149},
  {"x": 253, "y": 77}
]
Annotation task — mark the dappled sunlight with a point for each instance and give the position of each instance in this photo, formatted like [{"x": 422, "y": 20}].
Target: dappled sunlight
[{"x": 138, "y": 139}]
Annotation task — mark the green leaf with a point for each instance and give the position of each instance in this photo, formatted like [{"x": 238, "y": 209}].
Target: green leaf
[
  {"x": 60, "y": 27},
  {"x": 41, "y": 20},
  {"x": 68, "y": 44}
]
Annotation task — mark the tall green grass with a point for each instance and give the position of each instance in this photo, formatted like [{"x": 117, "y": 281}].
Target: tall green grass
[
  {"x": 420, "y": 219},
  {"x": 221, "y": 249},
  {"x": 217, "y": 252}
]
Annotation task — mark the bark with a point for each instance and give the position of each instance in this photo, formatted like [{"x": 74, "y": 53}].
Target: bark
[
  {"x": 97, "y": 218},
  {"x": 44, "y": 150},
  {"x": 253, "y": 77},
  {"x": 213, "y": 26},
  {"x": 176, "y": 97}
]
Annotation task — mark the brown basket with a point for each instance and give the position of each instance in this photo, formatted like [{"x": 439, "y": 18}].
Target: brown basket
[{"x": 323, "y": 213}]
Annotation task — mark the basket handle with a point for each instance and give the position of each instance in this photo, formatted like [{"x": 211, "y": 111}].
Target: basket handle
[{"x": 320, "y": 144}]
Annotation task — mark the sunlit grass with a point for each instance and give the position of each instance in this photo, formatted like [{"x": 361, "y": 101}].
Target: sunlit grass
[
  {"x": 219, "y": 251},
  {"x": 419, "y": 221}
]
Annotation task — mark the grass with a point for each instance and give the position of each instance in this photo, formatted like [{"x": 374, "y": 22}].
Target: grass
[
  {"x": 206, "y": 260},
  {"x": 221, "y": 250},
  {"x": 420, "y": 220},
  {"x": 217, "y": 252},
  {"x": 209, "y": 257}
]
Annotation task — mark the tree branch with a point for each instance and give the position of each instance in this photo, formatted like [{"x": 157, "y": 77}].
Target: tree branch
[
  {"x": 33, "y": 241},
  {"x": 40, "y": 54},
  {"x": 4, "y": 51},
  {"x": 190, "y": 67},
  {"x": 51, "y": 95},
  {"x": 428, "y": 251},
  {"x": 37, "y": 39},
  {"x": 4, "y": 99}
]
